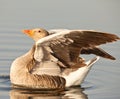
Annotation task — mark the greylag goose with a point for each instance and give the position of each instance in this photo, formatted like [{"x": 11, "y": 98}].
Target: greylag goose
[{"x": 54, "y": 62}]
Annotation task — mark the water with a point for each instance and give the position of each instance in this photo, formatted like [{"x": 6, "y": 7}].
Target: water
[{"x": 103, "y": 80}]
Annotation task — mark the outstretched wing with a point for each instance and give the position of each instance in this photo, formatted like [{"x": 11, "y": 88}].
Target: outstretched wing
[{"x": 67, "y": 45}]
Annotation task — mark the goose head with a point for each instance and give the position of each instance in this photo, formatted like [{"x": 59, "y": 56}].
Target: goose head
[{"x": 36, "y": 34}]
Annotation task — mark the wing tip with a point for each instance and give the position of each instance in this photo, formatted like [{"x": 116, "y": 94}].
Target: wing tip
[{"x": 92, "y": 61}]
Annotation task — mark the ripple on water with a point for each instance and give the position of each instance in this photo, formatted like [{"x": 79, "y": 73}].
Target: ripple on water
[
  {"x": 105, "y": 81},
  {"x": 4, "y": 86},
  {"x": 4, "y": 82}
]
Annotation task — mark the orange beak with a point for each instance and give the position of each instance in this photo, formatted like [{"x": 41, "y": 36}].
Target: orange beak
[{"x": 28, "y": 32}]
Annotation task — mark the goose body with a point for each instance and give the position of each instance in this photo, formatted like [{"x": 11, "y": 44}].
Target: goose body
[{"x": 54, "y": 62}]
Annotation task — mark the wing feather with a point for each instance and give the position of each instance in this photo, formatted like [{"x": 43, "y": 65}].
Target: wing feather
[
  {"x": 67, "y": 45},
  {"x": 90, "y": 38},
  {"x": 97, "y": 51}
]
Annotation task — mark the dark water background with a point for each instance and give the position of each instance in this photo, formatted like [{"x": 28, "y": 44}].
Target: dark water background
[{"x": 103, "y": 81}]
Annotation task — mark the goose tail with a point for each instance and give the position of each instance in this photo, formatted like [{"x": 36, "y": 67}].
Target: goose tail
[{"x": 77, "y": 77}]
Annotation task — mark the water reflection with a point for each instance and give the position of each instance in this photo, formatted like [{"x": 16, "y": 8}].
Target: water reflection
[{"x": 73, "y": 92}]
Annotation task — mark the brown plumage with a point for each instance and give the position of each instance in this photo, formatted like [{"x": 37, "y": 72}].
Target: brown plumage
[
  {"x": 54, "y": 60},
  {"x": 98, "y": 52},
  {"x": 23, "y": 78},
  {"x": 84, "y": 42}
]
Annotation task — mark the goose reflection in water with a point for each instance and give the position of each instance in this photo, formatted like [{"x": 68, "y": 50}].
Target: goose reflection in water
[{"x": 72, "y": 92}]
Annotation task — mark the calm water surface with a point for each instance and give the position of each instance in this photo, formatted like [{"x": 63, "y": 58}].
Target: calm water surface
[{"x": 103, "y": 81}]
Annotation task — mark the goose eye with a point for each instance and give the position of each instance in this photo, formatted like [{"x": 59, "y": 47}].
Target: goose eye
[{"x": 39, "y": 31}]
